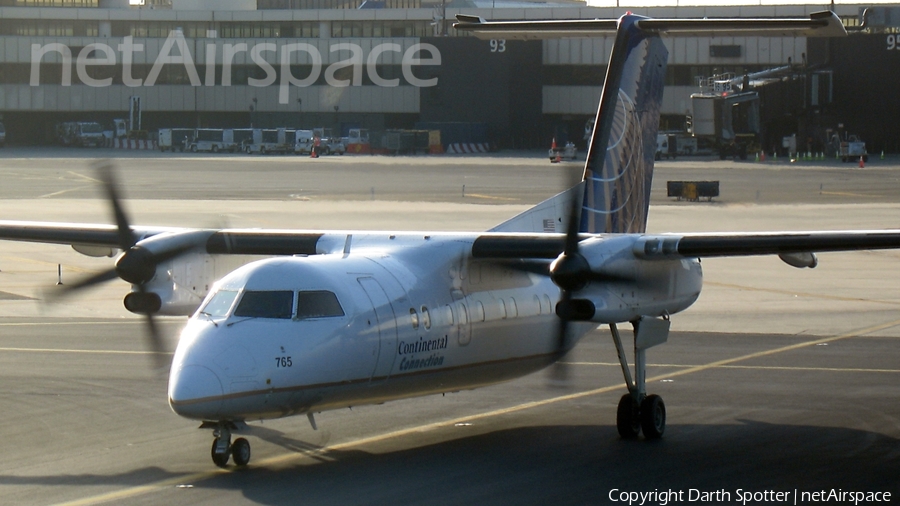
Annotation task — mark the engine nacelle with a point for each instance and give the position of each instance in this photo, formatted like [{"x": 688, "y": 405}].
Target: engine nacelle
[
  {"x": 173, "y": 270},
  {"x": 177, "y": 288},
  {"x": 632, "y": 287}
]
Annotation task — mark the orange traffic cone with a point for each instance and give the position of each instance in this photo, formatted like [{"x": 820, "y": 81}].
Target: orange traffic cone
[
  {"x": 553, "y": 144},
  {"x": 862, "y": 164}
]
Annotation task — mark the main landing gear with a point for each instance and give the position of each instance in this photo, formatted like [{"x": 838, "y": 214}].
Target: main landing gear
[
  {"x": 222, "y": 447},
  {"x": 638, "y": 411}
]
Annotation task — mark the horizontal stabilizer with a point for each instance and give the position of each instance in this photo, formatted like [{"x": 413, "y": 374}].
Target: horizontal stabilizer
[{"x": 818, "y": 24}]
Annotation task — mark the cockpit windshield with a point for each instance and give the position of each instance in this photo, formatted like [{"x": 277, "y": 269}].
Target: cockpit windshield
[
  {"x": 266, "y": 304},
  {"x": 219, "y": 304},
  {"x": 318, "y": 304},
  {"x": 274, "y": 304}
]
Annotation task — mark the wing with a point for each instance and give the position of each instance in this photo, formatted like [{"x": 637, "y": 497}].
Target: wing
[
  {"x": 71, "y": 233},
  {"x": 74, "y": 234},
  {"x": 226, "y": 241},
  {"x": 788, "y": 245},
  {"x": 795, "y": 248}
]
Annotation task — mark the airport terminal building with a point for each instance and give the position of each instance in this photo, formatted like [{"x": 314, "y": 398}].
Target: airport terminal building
[{"x": 382, "y": 64}]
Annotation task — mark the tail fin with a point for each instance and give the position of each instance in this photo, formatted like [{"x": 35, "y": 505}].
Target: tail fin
[
  {"x": 615, "y": 190},
  {"x": 619, "y": 168}
]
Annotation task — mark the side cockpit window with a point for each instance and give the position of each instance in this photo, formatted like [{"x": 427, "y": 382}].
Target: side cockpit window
[
  {"x": 318, "y": 304},
  {"x": 220, "y": 303},
  {"x": 265, "y": 304}
]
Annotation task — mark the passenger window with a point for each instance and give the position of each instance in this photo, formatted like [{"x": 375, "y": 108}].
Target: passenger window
[
  {"x": 266, "y": 304},
  {"x": 426, "y": 318},
  {"x": 414, "y": 317},
  {"x": 318, "y": 304},
  {"x": 502, "y": 309},
  {"x": 479, "y": 311},
  {"x": 513, "y": 308},
  {"x": 463, "y": 314},
  {"x": 220, "y": 303}
]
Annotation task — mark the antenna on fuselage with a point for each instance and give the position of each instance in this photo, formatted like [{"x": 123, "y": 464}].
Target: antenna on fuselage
[{"x": 347, "y": 245}]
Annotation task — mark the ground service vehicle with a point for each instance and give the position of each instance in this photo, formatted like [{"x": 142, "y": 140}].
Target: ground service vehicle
[
  {"x": 329, "y": 143},
  {"x": 849, "y": 149},
  {"x": 567, "y": 152},
  {"x": 241, "y": 137},
  {"x": 270, "y": 140},
  {"x": 665, "y": 146},
  {"x": 175, "y": 139},
  {"x": 80, "y": 133},
  {"x": 212, "y": 140},
  {"x": 303, "y": 141}
]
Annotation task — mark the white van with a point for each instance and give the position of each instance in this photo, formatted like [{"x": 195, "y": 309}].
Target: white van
[
  {"x": 303, "y": 142},
  {"x": 665, "y": 146}
]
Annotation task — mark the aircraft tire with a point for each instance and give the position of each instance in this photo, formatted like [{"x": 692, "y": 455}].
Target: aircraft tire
[
  {"x": 653, "y": 417},
  {"x": 240, "y": 451},
  {"x": 628, "y": 420},
  {"x": 220, "y": 459}
]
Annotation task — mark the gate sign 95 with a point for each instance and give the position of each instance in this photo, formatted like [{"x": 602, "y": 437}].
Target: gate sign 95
[{"x": 893, "y": 42}]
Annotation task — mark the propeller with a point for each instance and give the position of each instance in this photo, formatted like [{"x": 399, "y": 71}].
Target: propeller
[
  {"x": 569, "y": 272},
  {"x": 135, "y": 265}
]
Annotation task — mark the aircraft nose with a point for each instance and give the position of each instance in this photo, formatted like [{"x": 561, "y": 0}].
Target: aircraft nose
[{"x": 195, "y": 391}]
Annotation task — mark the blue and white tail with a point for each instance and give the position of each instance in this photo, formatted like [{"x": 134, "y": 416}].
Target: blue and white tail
[
  {"x": 619, "y": 169},
  {"x": 615, "y": 190}
]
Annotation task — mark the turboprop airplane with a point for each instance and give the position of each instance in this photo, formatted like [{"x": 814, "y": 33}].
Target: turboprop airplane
[{"x": 294, "y": 322}]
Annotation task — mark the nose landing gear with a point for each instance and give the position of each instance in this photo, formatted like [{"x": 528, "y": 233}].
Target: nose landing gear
[{"x": 223, "y": 449}]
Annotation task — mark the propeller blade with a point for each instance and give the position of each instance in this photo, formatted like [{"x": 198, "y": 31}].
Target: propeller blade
[
  {"x": 560, "y": 373},
  {"x": 571, "y": 261},
  {"x": 155, "y": 343},
  {"x": 127, "y": 240},
  {"x": 105, "y": 172},
  {"x": 572, "y": 227},
  {"x": 81, "y": 284}
]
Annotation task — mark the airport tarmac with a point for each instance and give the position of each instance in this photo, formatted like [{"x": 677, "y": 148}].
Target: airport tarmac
[{"x": 777, "y": 379}]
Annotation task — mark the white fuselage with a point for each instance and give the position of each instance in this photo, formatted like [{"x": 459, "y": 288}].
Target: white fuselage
[{"x": 409, "y": 316}]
